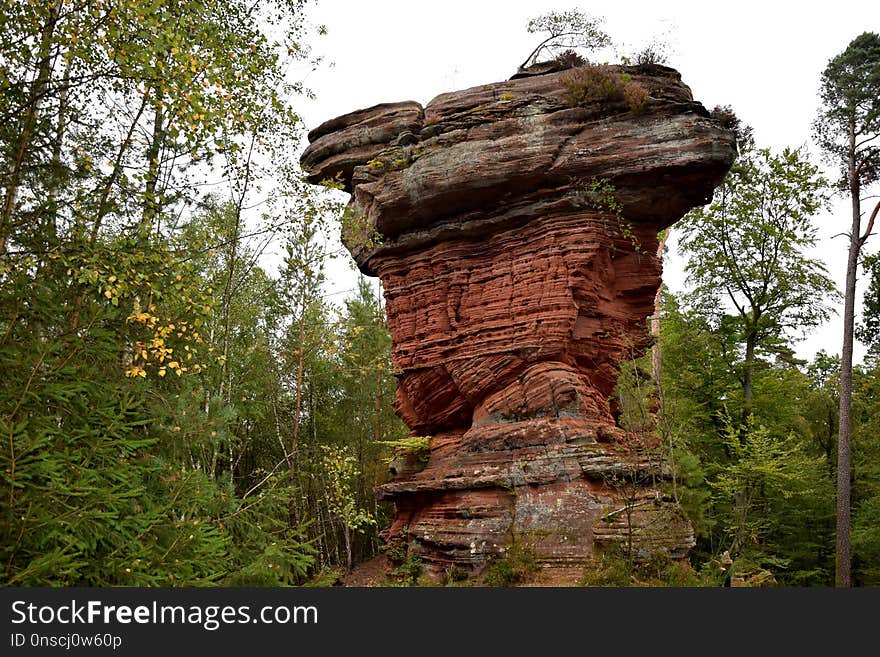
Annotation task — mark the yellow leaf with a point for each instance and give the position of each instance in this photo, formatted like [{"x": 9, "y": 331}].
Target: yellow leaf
[
  {"x": 108, "y": 293},
  {"x": 162, "y": 372}
]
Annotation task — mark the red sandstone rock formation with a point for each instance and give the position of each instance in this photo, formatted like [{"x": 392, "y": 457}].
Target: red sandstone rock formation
[{"x": 516, "y": 285}]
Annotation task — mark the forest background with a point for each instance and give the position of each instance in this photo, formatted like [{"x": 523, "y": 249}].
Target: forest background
[{"x": 179, "y": 408}]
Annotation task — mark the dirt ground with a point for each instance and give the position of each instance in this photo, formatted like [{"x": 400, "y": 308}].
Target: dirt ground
[{"x": 367, "y": 573}]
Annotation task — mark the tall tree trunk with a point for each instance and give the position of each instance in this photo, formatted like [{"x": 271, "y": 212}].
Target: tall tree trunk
[{"x": 844, "y": 450}]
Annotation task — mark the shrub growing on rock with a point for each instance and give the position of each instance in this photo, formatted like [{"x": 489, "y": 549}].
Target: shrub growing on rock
[{"x": 593, "y": 86}]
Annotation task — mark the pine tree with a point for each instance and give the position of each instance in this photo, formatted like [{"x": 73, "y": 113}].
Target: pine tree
[{"x": 847, "y": 129}]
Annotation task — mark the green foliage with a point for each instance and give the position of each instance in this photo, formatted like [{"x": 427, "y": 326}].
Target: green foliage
[
  {"x": 408, "y": 566},
  {"x": 456, "y": 576},
  {"x": 515, "y": 567},
  {"x": 868, "y": 331},
  {"x": 850, "y": 95},
  {"x": 409, "y": 571},
  {"x": 866, "y": 541},
  {"x": 866, "y": 475},
  {"x": 601, "y": 195},
  {"x": 341, "y": 469},
  {"x": 610, "y": 568},
  {"x": 376, "y": 165},
  {"x": 142, "y": 399},
  {"x": 765, "y": 470},
  {"x": 788, "y": 527},
  {"x": 822, "y": 405},
  {"x": 747, "y": 259},
  {"x": 748, "y": 246},
  {"x": 418, "y": 446},
  {"x": 636, "y": 396},
  {"x": 128, "y": 480},
  {"x": 270, "y": 552}
]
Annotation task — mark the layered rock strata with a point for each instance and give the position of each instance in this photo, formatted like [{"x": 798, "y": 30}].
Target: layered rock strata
[{"x": 518, "y": 259}]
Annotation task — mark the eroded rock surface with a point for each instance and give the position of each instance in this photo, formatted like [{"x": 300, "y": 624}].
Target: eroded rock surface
[{"x": 516, "y": 284}]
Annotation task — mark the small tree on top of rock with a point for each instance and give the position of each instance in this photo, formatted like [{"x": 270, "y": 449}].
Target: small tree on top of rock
[{"x": 566, "y": 30}]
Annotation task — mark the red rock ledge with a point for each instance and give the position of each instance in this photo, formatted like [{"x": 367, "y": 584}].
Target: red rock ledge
[{"x": 514, "y": 292}]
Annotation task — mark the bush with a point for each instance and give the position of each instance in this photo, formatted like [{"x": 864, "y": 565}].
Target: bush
[
  {"x": 636, "y": 97},
  {"x": 610, "y": 568},
  {"x": 651, "y": 55},
  {"x": 513, "y": 568},
  {"x": 725, "y": 116},
  {"x": 408, "y": 566},
  {"x": 594, "y": 86},
  {"x": 570, "y": 59},
  {"x": 409, "y": 572}
]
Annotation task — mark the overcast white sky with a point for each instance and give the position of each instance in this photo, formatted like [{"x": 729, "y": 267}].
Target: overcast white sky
[{"x": 762, "y": 58}]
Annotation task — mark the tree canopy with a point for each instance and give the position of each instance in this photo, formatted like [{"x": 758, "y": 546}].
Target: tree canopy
[{"x": 747, "y": 250}]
